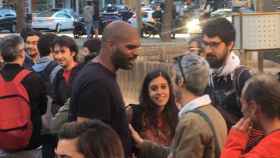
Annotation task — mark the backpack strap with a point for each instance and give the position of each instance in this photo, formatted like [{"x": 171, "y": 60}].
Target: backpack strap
[
  {"x": 1, "y": 78},
  {"x": 236, "y": 78},
  {"x": 21, "y": 75},
  {"x": 53, "y": 73},
  {"x": 207, "y": 119},
  {"x": 17, "y": 82}
]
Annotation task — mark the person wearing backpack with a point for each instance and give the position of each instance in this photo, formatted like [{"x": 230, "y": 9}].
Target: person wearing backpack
[
  {"x": 227, "y": 77},
  {"x": 65, "y": 52},
  {"x": 47, "y": 69},
  {"x": 23, "y": 102}
]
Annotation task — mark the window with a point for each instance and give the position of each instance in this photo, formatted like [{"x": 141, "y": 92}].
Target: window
[
  {"x": 9, "y": 15},
  {"x": 67, "y": 16},
  {"x": 60, "y": 15}
]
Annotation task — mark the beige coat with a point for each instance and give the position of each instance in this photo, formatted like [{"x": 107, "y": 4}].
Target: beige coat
[{"x": 193, "y": 137}]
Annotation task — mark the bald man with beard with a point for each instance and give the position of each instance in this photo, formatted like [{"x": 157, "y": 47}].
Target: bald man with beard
[{"x": 96, "y": 93}]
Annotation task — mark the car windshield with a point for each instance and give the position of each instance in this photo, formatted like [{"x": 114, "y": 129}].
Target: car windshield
[
  {"x": 7, "y": 12},
  {"x": 45, "y": 14}
]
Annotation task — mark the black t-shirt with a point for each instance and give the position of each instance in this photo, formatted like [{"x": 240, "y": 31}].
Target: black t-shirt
[{"x": 96, "y": 95}]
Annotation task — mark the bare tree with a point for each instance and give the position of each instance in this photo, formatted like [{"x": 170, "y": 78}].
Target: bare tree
[
  {"x": 167, "y": 21},
  {"x": 138, "y": 14},
  {"x": 20, "y": 11}
]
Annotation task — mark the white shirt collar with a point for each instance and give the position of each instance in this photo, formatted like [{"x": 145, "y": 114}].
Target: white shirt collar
[
  {"x": 194, "y": 104},
  {"x": 232, "y": 62}
]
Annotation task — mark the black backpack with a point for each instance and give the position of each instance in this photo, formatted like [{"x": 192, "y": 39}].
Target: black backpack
[{"x": 227, "y": 100}]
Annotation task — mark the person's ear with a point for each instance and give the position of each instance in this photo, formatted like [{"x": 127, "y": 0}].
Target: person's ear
[
  {"x": 179, "y": 82},
  {"x": 21, "y": 54},
  {"x": 253, "y": 108},
  {"x": 73, "y": 53},
  {"x": 230, "y": 45}
]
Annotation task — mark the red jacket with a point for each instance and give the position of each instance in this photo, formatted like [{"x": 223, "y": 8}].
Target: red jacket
[{"x": 268, "y": 147}]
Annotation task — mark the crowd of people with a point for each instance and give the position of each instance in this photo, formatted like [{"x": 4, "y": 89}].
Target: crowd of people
[{"x": 209, "y": 106}]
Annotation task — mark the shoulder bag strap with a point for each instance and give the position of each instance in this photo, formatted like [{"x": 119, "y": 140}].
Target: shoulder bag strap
[{"x": 206, "y": 118}]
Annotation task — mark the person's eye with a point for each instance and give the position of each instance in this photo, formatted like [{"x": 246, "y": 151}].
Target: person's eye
[
  {"x": 131, "y": 46},
  {"x": 154, "y": 88},
  {"x": 164, "y": 86}
]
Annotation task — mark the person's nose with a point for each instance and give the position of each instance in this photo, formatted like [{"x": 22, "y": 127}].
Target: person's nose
[
  {"x": 135, "y": 53},
  {"x": 58, "y": 56},
  {"x": 160, "y": 92},
  {"x": 208, "y": 50}
]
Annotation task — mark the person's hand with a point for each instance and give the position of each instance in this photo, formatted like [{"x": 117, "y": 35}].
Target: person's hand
[
  {"x": 244, "y": 124},
  {"x": 170, "y": 155},
  {"x": 135, "y": 136}
]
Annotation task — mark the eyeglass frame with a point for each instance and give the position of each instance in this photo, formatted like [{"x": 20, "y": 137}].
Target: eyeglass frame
[
  {"x": 178, "y": 60},
  {"x": 212, "y": 45}
]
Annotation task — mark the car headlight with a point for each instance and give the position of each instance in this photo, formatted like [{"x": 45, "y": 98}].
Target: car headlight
[{"x": 193, "y": 26}]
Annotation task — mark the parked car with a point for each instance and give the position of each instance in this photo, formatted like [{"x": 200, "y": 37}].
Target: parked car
[
  {"x": 147, "y": 16},
  {"x": 69, "y": 11},
  {"x": 8, "y": 20},
  {"x": 120, "y": 10},
  {"x": 51, "y": 20}
]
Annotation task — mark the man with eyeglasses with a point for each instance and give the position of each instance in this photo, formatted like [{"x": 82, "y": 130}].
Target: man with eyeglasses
[{"x": 227, "y": 76}]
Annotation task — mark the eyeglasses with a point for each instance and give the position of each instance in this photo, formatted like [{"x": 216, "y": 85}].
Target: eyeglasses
[
  {"x": 178, "y": 60},
  {"x": 211, "y": 44}
]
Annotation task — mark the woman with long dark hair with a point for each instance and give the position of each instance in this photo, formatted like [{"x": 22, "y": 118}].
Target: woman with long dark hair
[{"x": 155, "y": 118}]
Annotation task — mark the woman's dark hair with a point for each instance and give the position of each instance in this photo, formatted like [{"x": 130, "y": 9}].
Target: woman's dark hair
[
  {"x": 151, "y": 110},
  {"x": 95, "y": 139}
]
